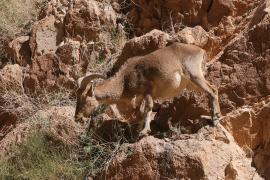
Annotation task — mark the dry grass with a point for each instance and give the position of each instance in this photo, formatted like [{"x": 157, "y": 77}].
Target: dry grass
[
  {"x": 14, "y": 100},
  {"x": 98, "y": 153},
  {"x": 16, "y": 15},
  {"x": 40, "y": 158},
  {"x": 44, "y": 157}
]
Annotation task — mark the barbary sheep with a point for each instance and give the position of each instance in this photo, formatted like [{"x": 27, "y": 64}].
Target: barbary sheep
[{"x": 161, "y": 74}]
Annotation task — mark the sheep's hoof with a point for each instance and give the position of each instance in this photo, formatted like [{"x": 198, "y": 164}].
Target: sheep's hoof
[
  {"x": 144, "y": 133},
  {"x": 215, "y": 120},
  {"x": 215, "y": 123}
]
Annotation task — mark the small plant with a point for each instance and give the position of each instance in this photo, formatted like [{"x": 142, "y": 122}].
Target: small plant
[
  {"x": 118, "y": 37},
  {"x": 13, "y": 100},
  {"x": 98, "y": 152},
  {"x": 59, "y": 97}
]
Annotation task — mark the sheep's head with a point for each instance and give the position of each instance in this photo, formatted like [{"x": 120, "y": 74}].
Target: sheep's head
[{"x": 86, "y": 101}]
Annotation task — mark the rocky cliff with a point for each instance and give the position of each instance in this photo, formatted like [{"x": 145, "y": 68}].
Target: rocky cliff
[{"x": 70, "y": 38}]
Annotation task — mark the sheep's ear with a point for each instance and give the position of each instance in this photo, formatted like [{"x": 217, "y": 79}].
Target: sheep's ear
[{"x": 83, "y": 81}]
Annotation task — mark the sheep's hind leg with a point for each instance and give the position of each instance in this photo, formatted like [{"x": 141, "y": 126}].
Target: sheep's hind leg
[
  {"x": 149, "y": 103},
  {"x": 213, "y": 94}
]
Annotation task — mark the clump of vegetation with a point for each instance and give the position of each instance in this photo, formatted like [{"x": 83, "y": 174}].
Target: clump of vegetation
[
  {"x": 118, "y": 36},
  {"x": 16, "y": 15},
  {"x": 15, "y": 101},
  {"x": 98, "y": 153},
  {"x": 40, "y": 157}
]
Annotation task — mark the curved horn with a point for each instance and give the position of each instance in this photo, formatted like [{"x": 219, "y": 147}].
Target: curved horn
[{"x": 83, "y": 81}]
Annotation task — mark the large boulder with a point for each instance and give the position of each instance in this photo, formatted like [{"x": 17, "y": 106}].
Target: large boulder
[
  {"x": 140, "y": 46},
  {"x": 11, "y": 74},
  {"x": 19, "y": 50},
  {"x": 199, "y": 37},
  {"x": 45, "y": 37},
  {"x": 210, "y": 154},
  {"x": 249, "y": 124},
  {"x": 250, "y": 128},
  {"x": 58, "y": 122},
  {"x": 88, "y": 18}
]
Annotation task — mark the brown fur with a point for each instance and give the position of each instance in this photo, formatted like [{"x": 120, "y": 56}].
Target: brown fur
[{"x": 161, "y": 74}]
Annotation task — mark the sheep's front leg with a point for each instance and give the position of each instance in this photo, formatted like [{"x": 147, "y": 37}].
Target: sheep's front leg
[
  {"x": 115, "y": 111},
  {"x": 147, "y": 118}
]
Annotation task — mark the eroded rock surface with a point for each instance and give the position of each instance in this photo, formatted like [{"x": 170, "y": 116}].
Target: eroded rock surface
[
  {"x": 69, "y": 37},
  {"x": 19, "y": 50},
  {"x": 250, "y": 128},
  {"x": 172, "y": 15},
  {"x": 209, "y": 154},
  {"x": 65, "y": 39},
  {"x": 140, "y": 46},
  {"x": 87, "y": 19},
  {"x": 11, "y": 78}
]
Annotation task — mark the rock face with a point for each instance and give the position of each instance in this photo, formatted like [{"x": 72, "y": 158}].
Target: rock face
[
  {"x": 19, "y": 50},
  {"x": 148, "y": 15},
  {"x": 140, "y": 46},
  {"x": 172, "y": 15},
  {"x": 250, "y": 129},
  {"x": 87, "y": 19},
  {"x": 66, "y": 37},
  {"x": 70, "y": 37},
  {"x": 243, "y": 69},
  {"x": 241, "y": 74},
  {"x": 11, "y": 77},
  {"x": 209, "y": 154},
  {"x": 199, "y": 37},
  {"x": 45, "y": 36}
]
